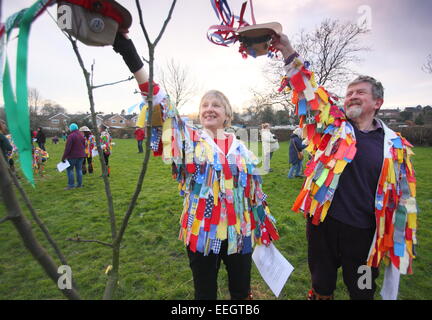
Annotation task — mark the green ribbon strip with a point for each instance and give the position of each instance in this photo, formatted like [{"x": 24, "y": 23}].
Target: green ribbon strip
[{"x": 17, "y": 113}]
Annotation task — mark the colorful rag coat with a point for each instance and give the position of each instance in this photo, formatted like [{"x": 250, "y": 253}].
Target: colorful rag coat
[
  {"x": 39, "y": 157},
  {"x": 90, "y": 144},
  {"x": 332, "y": 144},
  {"x": 223, "y": 196},
  {"x": 105, "y": 142}
]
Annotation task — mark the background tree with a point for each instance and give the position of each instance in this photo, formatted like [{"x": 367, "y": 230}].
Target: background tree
[
  {"x": 50, "y": 108},
  {"x": 177, "y": 82},
  {"x": 332, "y": 50},
  {"x": 406, "y": 115},
  {"x": 81, "y": 119},
  {"x": 34, "y": 103},
  {"x": 427, "y": 67},
  {"x": 419, "y": 120}
]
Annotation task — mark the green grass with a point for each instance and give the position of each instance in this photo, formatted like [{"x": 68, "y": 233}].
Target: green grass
[{"x": 154, "y": 263}]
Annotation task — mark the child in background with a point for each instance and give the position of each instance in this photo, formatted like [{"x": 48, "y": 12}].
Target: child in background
[{"x": 39, "y": 158}]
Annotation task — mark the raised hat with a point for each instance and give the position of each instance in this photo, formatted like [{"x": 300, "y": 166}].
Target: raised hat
[{"x": 256, "y": 38}]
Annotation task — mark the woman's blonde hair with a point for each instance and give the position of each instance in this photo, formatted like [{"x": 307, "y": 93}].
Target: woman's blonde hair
[{"x": 223, "y": 100}]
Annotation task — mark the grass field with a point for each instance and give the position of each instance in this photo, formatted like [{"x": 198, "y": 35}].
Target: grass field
[{"x": 154, "y": 264}]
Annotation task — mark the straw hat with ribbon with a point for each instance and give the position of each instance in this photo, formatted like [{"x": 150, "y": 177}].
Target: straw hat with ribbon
[{"x": 255, "y": 39}]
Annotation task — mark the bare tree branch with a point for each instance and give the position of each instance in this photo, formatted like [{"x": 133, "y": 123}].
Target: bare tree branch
[
  {"x": 112, "y": 83},
  {"x": 78, "y": 239},
  {"x": 165, "y": 23},
  {"x": 145, "y": 60},
  {"x": 151, "y": 47},
  {"x": 99, "y": 148},
  {"x": 4, "y": 219},
  {"x": 114, "y": 274}
]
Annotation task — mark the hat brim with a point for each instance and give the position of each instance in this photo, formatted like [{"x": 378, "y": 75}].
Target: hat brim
[
  {"x": 126, "y": 16},
  {"x": 257, "y": 30}
]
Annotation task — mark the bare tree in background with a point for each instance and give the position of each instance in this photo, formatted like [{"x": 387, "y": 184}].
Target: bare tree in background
[
  {"x": 427, "y": 67},
  {"x": 177, "y": 82},
  {"x": 332, "y": 50},
  {"x": 34, "y": 101},
  {"x": 50, "y": 108}
]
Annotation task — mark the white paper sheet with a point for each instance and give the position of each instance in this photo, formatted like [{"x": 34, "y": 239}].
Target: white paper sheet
[
  {"x": 63, "y": 165},
  {"x": 390, "y": 287},
  {"x": 273, "y": 267},
  {"x": 95, "y": 153}
]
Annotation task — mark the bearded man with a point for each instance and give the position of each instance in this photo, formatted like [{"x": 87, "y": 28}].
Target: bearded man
[{"x": 359, "y": 192}]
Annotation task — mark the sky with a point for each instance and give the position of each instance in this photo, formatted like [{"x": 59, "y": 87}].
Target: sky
[{"x": 400, "y": 41}]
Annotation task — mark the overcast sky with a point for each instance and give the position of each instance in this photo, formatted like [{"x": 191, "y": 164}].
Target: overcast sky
[{"x": 400, "y": 39}]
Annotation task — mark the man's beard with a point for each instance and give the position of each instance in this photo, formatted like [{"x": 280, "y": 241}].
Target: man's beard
[{"x": 354, "y": 112}]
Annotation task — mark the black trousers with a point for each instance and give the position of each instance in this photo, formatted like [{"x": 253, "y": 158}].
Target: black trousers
[
  {"x": 41, "y": 145},
  {"x": 205, "y": 272},
  {"x": 333, "y": 244},
  {"x": 89, "y": 161},
  {"x": 106, "y": 158}
]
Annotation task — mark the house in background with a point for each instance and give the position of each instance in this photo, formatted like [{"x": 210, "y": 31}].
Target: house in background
[
  {"x": 115, "y": 121},
  {"x": 57, "y": 122},
  {"x": 390, "y": 116},
  {"x": 131, "y": 120},
  {"x": 99, "y": 119}
]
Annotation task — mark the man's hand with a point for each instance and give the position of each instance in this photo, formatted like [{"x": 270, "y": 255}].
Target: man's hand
[{"x": 282, "y": 43}]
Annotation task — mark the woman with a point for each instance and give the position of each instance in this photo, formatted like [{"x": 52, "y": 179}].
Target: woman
[
  {"x": 269, "y": 144},
  {"x": 75, "y": 153},
  {"x": 295, "y": 149},
  {"x": 225, "y": 211}
]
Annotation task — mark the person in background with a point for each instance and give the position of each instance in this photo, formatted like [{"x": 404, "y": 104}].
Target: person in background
[
  {"x": 39, "y": 159},
  {"x": 10, "y": 153},
  {"x": 296, "y": 154},
  {"x": 5, "y": 145},
  {"x": 90, "y": 144},
  {"x": 55, "y": 139},
  {"x": 41, "y": 138},
  {"x": 139, "y": 136},
  {"x": 269, "y": 145},
  {"x": 105, "y": 142},
  {"x": 74, "y": 153},
  {"x": 64, "y": 135}
]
